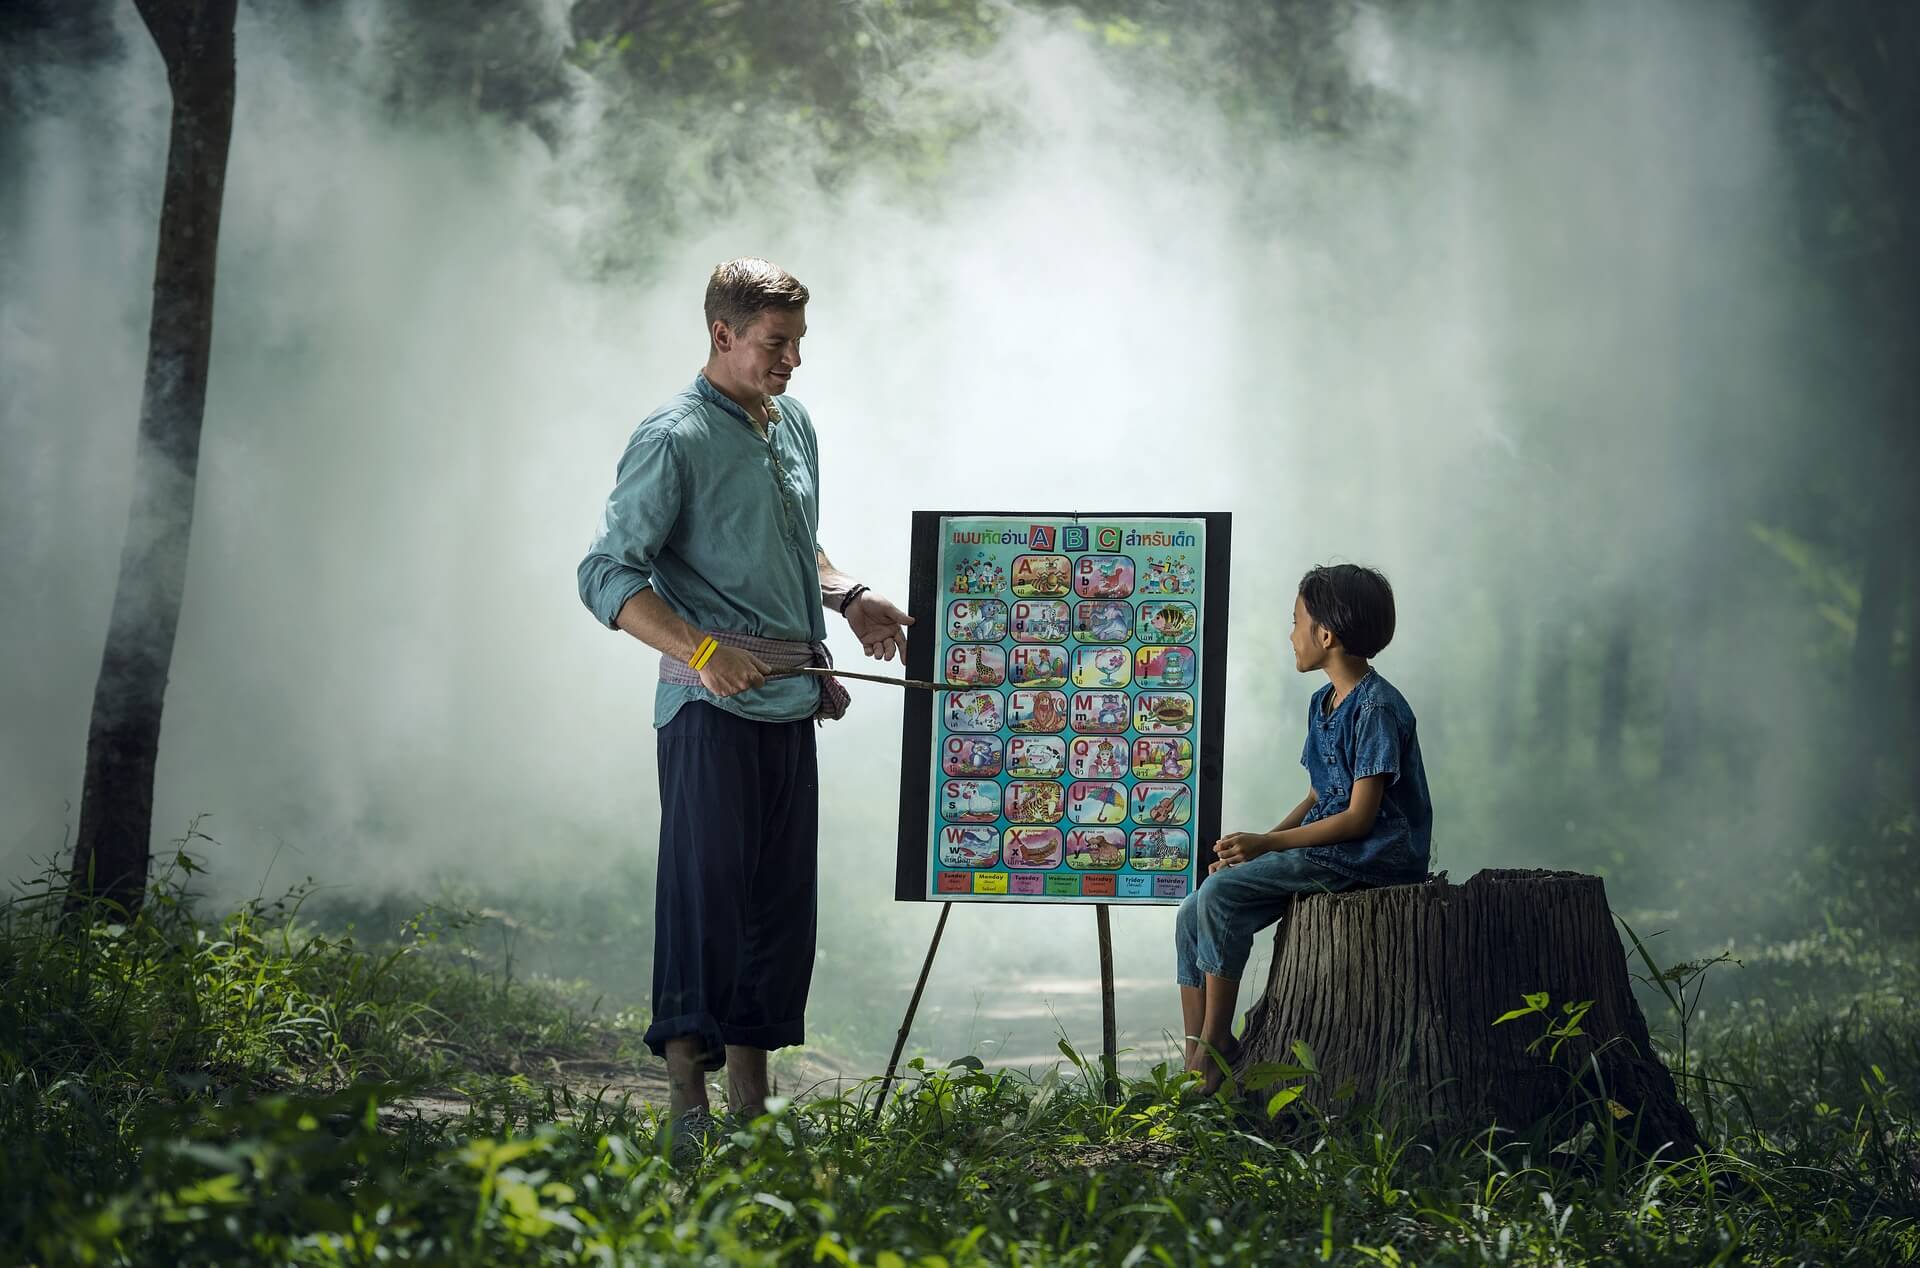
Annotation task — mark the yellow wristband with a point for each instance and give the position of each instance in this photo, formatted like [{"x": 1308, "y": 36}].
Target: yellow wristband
[{"x": 703, "y": 653}]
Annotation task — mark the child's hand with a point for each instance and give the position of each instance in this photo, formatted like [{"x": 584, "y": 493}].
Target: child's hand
[{"x": 1241, "y": 847}]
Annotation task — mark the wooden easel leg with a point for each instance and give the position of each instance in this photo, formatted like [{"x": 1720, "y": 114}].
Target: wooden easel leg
[
  {"x": 1109, "y": 1034},
  {"x": 913, "y": 1006}
]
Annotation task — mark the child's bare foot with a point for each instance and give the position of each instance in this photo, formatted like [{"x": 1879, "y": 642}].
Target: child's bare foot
[{"x": 1208, "y": 1066}]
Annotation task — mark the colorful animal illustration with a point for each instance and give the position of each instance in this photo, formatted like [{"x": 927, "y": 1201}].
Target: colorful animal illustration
[
  {"x": 1040, "y": 621},
  {"x": 1162, "y": 759},
  {"x": 1101, "y": 622},
  {"x": 1039, "y": 666},
  {"x": 1167, "y": 622},
  {"x": 1105, "y": 577},
  {"x": 1038, "y": 758},
  {"x": 969, "y": 847},
  {"x": 977, "y": 620},
  {"x": 1160, "y": 849},
  {"x": 1033, "y": 803},
  {"x": 978, "y": 666},
  {"x": 1039, "y": 711},
  {"x": 1040, "y": 575},
  {"x": 1099, "y": 849},
  {"x": 972, "y": 755},
  {"x": 969, "y": 801}
]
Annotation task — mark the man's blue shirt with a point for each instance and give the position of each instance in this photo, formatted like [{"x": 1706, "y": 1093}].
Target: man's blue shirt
[
  {"x": 1372, "y": 732},
  {"x": 722, "y": 524}
]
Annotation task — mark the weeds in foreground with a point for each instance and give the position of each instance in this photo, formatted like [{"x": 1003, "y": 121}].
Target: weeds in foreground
[
  {"x": 969, "y": 1166},
  {"x": 113, "y": 1030},
  {"x": 178, "y": 1092}
]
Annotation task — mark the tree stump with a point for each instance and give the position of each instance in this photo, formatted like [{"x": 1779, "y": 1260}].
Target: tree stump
[{"x": 1395, "y": 992}]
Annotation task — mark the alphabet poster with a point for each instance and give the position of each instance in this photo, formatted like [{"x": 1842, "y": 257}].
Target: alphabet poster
[{"x": 1073, "y": 756}]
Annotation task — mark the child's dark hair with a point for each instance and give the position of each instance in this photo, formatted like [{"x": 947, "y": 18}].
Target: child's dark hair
[{"x": 1355, "y": 603}]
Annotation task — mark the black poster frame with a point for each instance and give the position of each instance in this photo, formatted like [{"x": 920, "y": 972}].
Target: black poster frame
[{"x": 916, "y": 730}]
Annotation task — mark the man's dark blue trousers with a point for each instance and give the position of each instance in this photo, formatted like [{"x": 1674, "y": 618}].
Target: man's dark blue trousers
[{"x": 735, "y": 903}]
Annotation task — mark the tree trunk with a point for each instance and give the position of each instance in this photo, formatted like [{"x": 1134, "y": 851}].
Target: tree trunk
[
  {"x": 112, "y": 850},
  {"x": 1903, "y": 525},
  {"x": 1613, "y": 698},
  {"x": 1878, "y": 43},
  {"x": 1395, "y": 992}
]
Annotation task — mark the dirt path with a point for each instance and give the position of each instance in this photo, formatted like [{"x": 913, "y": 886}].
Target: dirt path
[
  {"x": 1018, "y": 1023},
  {"x": 1017, "y": 1028},
  {"x": 604, "y": 1078}
]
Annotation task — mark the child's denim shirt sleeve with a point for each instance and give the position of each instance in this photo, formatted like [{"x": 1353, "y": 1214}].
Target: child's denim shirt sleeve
[
  {"x": 1370, "y": 734},
  {"x": 1376, "y": 741}
]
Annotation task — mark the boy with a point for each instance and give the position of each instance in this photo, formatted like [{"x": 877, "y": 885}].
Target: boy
[{"x": 1365, "y": 821}]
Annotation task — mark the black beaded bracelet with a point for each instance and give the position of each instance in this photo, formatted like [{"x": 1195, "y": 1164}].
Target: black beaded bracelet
[{"x": 852, "y": 594}]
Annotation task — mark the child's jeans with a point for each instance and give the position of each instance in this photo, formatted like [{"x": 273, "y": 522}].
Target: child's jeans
[{"x": 1214, "y": 932}]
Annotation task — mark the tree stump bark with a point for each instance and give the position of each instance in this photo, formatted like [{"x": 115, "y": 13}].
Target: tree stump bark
[{"x": 1395, "y": 992}]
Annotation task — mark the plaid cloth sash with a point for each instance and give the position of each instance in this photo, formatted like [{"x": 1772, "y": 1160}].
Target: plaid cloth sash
[{"x": 774, "y": 653}]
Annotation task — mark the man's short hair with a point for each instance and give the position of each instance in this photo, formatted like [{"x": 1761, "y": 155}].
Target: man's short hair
[
  {"x": 1355, "y": 603},
  {"x": 740, "y": 290}
]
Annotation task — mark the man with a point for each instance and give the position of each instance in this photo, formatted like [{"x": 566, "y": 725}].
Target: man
[{"x": 707, "y": 552}]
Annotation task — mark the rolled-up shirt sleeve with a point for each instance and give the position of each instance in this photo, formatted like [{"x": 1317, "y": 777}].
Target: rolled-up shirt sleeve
[{"x": 634, "y": 525}]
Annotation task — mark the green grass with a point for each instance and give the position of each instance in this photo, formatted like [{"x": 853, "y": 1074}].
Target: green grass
[{"x": 182, "y": 1091}]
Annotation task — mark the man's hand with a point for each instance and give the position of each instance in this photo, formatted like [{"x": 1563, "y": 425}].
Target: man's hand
[
  {"x": 1242, "y": 847},
  {"x": 880, "y": 626},
  {"x": 730, "y": 671}
]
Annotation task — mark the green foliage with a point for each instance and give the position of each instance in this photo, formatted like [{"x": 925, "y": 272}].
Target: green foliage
[
  {"x": 972, "y": 1166},
  {"x": 1557, "y": 1030},
  {"x": 115, "y": 1029},
  {"x": 1831, "y": 584},
  {"x": 711, "y": 106},
  {"x": 233, "y": 1092}
]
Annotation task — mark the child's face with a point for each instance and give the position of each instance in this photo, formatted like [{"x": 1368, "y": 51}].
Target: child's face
[{"x": 1311, "y": 642}]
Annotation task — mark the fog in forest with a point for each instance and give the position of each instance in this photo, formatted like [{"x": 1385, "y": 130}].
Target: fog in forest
[{"x": 1534, "y": 328}]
